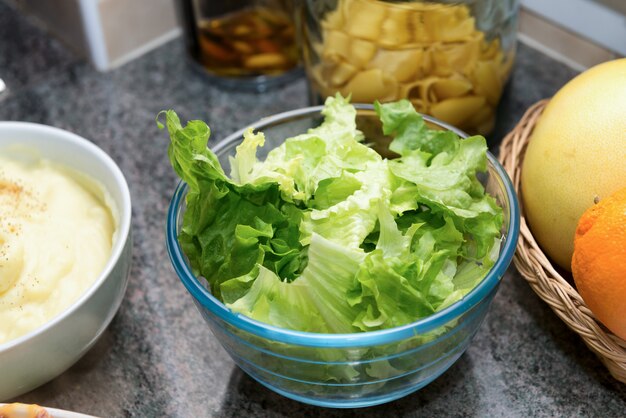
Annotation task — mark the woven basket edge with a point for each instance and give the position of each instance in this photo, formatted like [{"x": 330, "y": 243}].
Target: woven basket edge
[{"x": 551, "y": 287}]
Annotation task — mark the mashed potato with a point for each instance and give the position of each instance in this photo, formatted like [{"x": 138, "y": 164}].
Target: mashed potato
[{"x": 56, "y": 234}]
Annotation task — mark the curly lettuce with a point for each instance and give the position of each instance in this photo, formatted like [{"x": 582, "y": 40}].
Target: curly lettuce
[{"x": 326, "y": 235}]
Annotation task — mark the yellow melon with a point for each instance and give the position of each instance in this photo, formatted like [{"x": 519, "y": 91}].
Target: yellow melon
[{"x": 577, "y": 154}]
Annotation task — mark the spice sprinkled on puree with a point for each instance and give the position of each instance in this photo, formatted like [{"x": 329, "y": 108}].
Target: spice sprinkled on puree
[{"x": 56, "y": 233}]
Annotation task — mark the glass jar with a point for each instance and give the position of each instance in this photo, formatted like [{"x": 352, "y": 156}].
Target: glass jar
[
  {"x": 451, "y": 59},
  {"x": 242, "y": 44}
]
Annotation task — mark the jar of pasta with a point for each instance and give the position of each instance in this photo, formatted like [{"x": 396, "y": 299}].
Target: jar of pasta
[{"x": 451, "y": 59}]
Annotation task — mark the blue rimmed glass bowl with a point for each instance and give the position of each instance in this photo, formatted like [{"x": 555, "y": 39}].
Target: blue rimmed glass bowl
[{"x": 346, "y": 370}]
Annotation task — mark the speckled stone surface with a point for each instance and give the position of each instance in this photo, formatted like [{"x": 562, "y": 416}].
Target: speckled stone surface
[{"x": 158, "y": 358}]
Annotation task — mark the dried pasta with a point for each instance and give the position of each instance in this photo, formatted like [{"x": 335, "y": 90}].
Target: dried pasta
[
  {"x": 370, "y": 85},
  {"x": 433, "y": 54}
]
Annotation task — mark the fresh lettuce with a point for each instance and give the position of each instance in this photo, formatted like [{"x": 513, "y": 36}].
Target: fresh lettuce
[{"x": 325, "y": 235}]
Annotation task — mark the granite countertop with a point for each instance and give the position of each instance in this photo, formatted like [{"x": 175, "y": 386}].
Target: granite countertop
[{"x": 158, "y": 358}]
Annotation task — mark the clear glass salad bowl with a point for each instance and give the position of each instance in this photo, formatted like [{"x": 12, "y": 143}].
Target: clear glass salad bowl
[{"x": 346, "y": 370}]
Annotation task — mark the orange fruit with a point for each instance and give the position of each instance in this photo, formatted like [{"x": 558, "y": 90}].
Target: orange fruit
[
  {"x": 577, "y": 151},
  {"x": 599, "y": 261}
]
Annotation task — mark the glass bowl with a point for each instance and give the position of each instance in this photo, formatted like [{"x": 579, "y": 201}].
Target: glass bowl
[{"x": 346, "y": 370}]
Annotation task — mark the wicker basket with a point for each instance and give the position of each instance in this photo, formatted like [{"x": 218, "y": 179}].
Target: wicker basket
[{"x": 537, "y": 269}]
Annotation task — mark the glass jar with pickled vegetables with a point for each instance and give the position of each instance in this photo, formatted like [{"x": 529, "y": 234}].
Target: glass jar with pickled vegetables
[
  {"x": 242, "y": 44},
  {"x": 451, "y": 59}
]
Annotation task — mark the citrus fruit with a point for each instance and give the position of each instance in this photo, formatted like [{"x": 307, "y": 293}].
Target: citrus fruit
[
  {"x": 599, "y": 261},
  {"x": 577, "y": 153}
]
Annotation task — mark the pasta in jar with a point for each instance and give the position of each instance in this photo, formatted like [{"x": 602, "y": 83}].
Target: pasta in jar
[{"x": 434, "y": 54}]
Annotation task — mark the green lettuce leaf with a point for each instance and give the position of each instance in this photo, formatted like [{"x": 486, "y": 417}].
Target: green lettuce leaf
[
  {"x": 316, "y": 302},
  {"x": 229, "y": 228},
  {"x": 325, "y": 235}
]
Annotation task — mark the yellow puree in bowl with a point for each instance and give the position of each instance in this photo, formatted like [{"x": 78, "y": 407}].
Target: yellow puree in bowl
[{"x": 56, "y": 233}]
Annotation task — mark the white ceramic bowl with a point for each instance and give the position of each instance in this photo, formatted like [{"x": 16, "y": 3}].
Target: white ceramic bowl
[{"x": 43, "y": 354}]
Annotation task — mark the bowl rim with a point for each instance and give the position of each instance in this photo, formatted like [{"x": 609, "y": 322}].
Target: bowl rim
[
  {"x": 123, "y": 227},
  {"x": 310, "y": 339},
  {"x": 60, "y": 413}
]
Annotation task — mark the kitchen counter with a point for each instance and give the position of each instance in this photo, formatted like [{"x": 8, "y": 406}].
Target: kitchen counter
[{"x": 158, "y": 358}]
